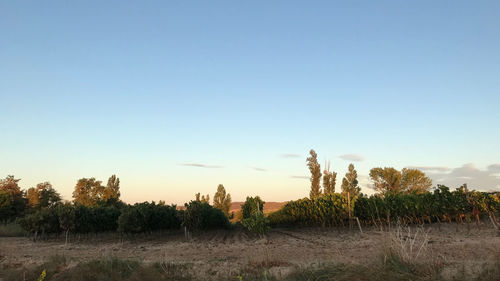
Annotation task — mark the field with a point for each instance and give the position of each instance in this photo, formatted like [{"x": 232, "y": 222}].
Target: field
[{"x": 450, "y": 251}]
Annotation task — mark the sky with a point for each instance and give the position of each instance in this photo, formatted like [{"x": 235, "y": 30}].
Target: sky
[{"x": 176, "y": 97}]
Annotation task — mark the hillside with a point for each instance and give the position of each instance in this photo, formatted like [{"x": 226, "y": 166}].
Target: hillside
[{"x": 268, "y": 206}]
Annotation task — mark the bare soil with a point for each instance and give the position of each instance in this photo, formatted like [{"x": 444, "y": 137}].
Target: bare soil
[{"x": 232, "y": 250}]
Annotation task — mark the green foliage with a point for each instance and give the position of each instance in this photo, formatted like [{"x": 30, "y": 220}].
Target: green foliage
[
  {"x": 112, "y": 190},
  {"x": 325, "y": 210},
  {"x": 90, "y": 192},
  {"x": 441, "y": 205},
  {"x": 389, "y": 180},
  {"x": 66, "y": 214},
  {"x": 256, "y": 223},
  {"x": 414, "y": 181},
  {"x": 350, "y": 182},
  {"x": 148, "y": 217},
  {"x": 329, "y": 180},
  {"x": 203, "y": 198},
  {"x": 199, "y": 216},
  {"x": 315, "y": 169},
  {"x": 221, "y": 200},
  {"x": 67, "y": 217},
  {"x": 44, "y": 195},
  {"x": 252, "y": 205},
  {"x": 253, "y": 216},
  {"x": 96, "y": 219},
  {"x": 44, "y": 221},
  {"x": 12, "y": 203}
]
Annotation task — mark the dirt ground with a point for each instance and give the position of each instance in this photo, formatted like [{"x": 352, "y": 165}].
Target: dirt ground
[{"x": 228, "y": 250}]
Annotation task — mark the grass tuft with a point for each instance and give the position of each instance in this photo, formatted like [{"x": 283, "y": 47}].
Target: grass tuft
[{"x": 11, "y": 230}]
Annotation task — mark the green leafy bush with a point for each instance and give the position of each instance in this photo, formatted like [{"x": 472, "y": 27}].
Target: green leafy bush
[
  {"x": 257, "y": 223},
  {"x": 252, "y": 205},
  {"x": 148, "y": 217},
  {"x": 200, "y": 215},
  {"x": 44, "y": 221},
  {"x": 325, "y": 210},
  {"x": 437, "y": 206},
  {"x": 96, "y": 219}
]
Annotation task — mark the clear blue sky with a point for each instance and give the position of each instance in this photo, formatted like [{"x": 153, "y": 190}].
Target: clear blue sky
[{"x": 140, "y": 89}]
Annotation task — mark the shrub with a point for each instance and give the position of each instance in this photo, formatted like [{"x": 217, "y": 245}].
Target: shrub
[
  {"x": 325, "y": 210},
  {"x": 148, "y": 217},
  {"x": 199, "y": 215},
  {"x": 96, "y": 219},
  {"x": 256, "y": 223},
  {"x": 252, "y": 205},
  {"x": 44, "y": 221}
]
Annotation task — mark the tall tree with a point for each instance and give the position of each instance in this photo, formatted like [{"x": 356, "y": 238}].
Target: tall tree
[
  {"x": 11, "y": 186},
  {"x": 112, "y": 191},
  {"x": 203, "y": 198},
  {"x": 221, "y": 200},
  {"x": 88, "y": 192},
  {"x": 12, "y": 203},
  {"x": 44, "y": 195},
  {"x": 315, "y": 169},
  {"x": 415, "y": 181},
  {"x": 386, "y": 180},
  {"x": 350, "y": 182},
  {"x": 329, "y": 179},
  {"x": 390, "y": 180},
  {"x": 33, "y": 197}
]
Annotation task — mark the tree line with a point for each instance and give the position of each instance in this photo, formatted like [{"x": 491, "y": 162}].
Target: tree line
[
  {"x": 440, "y": 205},
  {"x": 97, "y": 208},
  {"x": 400, "y": 195},
  {"x": 385, "y": 180}
]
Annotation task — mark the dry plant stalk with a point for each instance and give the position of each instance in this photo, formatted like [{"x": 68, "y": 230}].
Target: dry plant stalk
[{"x": 408, "y": 244}]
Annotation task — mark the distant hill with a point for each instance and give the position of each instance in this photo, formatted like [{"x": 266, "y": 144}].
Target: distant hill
[{"x": 268, "y": 206}]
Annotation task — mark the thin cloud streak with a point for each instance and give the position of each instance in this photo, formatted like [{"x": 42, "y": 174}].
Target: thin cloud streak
[
  {"x": 198, "y": 165},
  {"x": 258, "y": 169},
  {"x": 299, "y": 177},
  {"x": 352, "y": 157},
  {"x": 290, "y": 155},
  {"x": 494, "y": 168},
  {"x": 430, "y": 168}
]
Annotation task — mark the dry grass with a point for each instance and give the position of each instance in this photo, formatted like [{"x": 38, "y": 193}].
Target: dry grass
[
  {"x": 11, "y": 230},
  {"x": 408, "y": 243},
  {"x": 392, "y": 268},
  {"x": 430, "y": 253}
]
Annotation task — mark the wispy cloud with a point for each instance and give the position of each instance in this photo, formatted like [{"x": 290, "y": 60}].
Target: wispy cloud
[
  {"x": 475, "y": 178},
  {"x": 258, "y": 169},
  {"x": 430, "y": 168},
  {"x": 352, "y": 157},
  {"x": 199, "y": 165},
  {"x": 494, "y": 168},
  {"x": 290, "y": 155},
  {"x": 299, "y": 177}
]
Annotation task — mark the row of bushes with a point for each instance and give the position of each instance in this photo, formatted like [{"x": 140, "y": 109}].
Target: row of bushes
[
  {"x": 325, "y": 210},
  {"x": 70, "y": 218},
  {"x": 440, "y": 205},
  {"x": 139, "y": 218},
  {"x": 148, "y": 217}
]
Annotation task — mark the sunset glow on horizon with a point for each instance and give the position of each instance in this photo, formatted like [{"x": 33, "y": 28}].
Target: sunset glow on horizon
[{"x": 176, "y": 98}]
